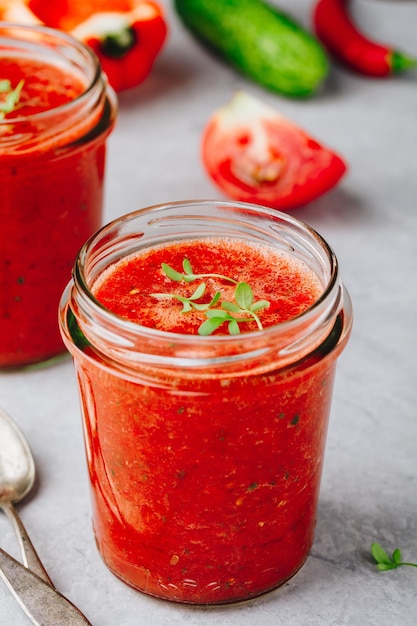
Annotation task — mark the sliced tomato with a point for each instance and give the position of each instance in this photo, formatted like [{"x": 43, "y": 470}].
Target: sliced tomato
[{"x": 254, "y": 154}]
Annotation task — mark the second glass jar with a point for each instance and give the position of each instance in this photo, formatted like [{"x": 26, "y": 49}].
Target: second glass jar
[{"x": 52, "y": 166}]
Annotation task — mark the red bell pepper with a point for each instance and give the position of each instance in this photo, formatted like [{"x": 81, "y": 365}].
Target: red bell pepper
[
  {"x": 126, "y": 35},
  {"x": 340, "y": 35}
]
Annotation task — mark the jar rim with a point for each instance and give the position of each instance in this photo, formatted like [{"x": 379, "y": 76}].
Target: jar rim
[
  {"x": 155, "y": 332},
  {"x": 131, "y": 345},
  {"x": 59, "y": 36}
]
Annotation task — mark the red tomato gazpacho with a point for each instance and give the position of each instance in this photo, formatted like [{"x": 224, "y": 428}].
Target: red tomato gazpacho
[
  {"x": 205, "y": 487},
  {"x": 139, "y": 290},
  {"x": 52, "y": 159}
]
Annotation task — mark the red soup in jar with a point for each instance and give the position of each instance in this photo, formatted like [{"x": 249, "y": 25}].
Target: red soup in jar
[
  {"x": 56, "y": 111},
  {"x": 205, "y": 442}
]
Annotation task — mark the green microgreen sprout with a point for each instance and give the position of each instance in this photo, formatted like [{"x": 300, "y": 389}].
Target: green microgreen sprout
[
  {"x": 189, "y": 303},
  {"x": 10, "y": 98},
  {"x": 188, "y": 276},
  {"x": 385, "y": 562},
  {"x": 241, "y": 310}
]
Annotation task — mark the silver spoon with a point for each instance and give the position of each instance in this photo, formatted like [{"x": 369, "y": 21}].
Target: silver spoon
[{"x": 40, "y": 601}]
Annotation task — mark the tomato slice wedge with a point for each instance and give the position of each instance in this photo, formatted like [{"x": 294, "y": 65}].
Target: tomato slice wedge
[{"x": 254, "y": 154}]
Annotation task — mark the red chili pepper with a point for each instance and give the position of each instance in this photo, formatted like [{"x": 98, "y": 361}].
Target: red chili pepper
[
  {"x": 338, "y": 32},
  {"x": 126, "y": 35}
]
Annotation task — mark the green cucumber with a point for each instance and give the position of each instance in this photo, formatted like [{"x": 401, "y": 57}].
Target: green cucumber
[{"x": 260, "y": 41}]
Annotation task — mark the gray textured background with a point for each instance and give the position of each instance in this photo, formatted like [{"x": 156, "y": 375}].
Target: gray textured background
[{"x": 370, "y": 478}]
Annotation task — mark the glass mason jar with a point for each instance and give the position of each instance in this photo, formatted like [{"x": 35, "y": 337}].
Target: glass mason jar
[
  {"x": 52, "y": 163},
  {"x": 204, "y": 453}
]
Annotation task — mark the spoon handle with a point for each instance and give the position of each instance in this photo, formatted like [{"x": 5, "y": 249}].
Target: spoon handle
[
  {"x": 29, "y": 555},
  {"x": 43, "y": 604}
]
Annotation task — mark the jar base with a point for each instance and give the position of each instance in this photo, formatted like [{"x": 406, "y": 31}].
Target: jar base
[{"x": 168, "y": 593}]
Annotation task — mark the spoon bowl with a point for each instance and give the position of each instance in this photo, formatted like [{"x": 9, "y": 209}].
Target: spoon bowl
[
  {"x": 17, "y": 467},
  {"x": 29, "y": 583},
  {"x": 17, "y": 476}
]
